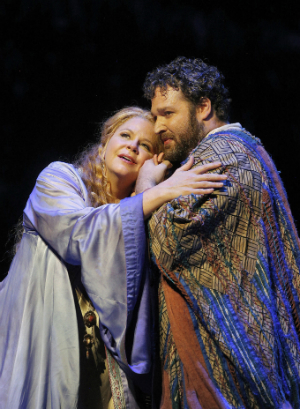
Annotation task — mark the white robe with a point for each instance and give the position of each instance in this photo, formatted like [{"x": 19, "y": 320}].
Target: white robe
[{"x": 39, "y": 345}]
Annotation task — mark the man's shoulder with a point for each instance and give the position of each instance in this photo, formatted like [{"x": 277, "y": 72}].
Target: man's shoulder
[
  {"x": 236, "y": 149},
  {"x": 228, "y": 140}
]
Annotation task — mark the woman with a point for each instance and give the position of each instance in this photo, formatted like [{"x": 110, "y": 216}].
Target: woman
[{"x": 80, "y": 280}]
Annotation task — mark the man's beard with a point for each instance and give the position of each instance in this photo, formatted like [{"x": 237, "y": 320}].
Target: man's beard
[{"x": 185, "y": 141}]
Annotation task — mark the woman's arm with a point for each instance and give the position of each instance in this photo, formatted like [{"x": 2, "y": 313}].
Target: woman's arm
[
  {"x": 183, "y": 182},
  {"x": 109, "y": 243}
]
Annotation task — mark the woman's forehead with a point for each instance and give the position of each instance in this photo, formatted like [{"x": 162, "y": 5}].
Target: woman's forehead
[{"x": 136, "y": 124}]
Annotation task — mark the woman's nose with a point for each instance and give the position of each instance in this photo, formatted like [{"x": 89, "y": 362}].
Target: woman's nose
[{"x": 133, "y": 145}]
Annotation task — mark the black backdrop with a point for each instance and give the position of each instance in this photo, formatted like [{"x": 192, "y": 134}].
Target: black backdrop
[{"x": 67, "y": 65}]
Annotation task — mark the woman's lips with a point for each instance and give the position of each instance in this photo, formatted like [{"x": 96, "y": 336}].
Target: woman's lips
[{"x": 127, "y": 159}]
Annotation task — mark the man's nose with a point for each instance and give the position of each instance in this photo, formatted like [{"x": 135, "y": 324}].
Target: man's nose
[{"x": 159, "y": 126}]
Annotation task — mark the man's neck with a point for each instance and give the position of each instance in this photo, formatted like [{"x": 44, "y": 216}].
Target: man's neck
[{"x": 212, "y": 124}]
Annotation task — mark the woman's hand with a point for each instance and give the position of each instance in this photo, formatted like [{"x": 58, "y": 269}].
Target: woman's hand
[
  {"x": 152, "y": 173},
  {"x": 184, "y": 181}
]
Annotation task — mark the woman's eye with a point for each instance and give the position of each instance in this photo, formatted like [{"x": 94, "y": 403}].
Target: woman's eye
[
  {"x": 168, "y": 113},
  {"x": 125, "y": 135},
  {"x": 144, "y": 145}
]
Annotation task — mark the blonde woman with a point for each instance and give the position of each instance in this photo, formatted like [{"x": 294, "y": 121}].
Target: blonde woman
[{"x": 75, "y": 321}]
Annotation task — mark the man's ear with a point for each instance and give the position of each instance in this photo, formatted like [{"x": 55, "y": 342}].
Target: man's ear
[{"x": 204, "y": 110}]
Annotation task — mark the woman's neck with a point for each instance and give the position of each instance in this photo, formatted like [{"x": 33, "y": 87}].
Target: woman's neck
[{"x": 119, "y": 190}]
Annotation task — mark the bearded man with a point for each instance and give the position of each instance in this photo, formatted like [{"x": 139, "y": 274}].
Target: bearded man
[{"x": 229, "y": 312}]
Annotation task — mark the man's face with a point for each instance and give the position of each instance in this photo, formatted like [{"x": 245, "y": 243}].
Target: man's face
[{"x": 176, "y": 123}]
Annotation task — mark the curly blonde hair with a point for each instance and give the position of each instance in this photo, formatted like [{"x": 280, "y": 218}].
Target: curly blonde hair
[{"x": 91, "y": 161}]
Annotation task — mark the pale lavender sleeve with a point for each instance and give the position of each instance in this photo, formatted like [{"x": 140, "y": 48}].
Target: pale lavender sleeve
[
  {"x": 109, "y": 243},
  {"x": 39, "y": 340}
]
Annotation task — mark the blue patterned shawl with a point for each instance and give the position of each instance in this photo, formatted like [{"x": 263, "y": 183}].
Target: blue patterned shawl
[{"x": 230, "y": 286}]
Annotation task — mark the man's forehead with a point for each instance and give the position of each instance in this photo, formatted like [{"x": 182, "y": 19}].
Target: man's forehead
[
  {"x": 166, "y": 97},
  {"x": 166, "y": 92}
]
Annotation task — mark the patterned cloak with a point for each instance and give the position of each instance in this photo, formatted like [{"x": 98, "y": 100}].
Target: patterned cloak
[{"x": 229, "y": 290}]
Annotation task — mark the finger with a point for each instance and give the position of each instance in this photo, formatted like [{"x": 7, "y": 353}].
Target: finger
[
  {"x": 207, "y": 184},
  {"x": 160, "y": 157},
  {"x": 208, "y": 166},
  {"x": 155, "y": 160},
  {"x": 205, "y": 191},
  {"x": 167, "y": 163},
  {"x": 188, "y": 164},
  {"x": 199, "y": 191}
]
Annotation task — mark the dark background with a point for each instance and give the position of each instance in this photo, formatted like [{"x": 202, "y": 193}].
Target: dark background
[{"x": 68, "y": 64}]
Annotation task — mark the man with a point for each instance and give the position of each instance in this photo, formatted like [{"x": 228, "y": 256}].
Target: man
[{"x": 229, "y": 314}]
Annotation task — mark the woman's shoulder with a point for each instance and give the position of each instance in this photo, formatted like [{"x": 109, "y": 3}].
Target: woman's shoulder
[
  {"x": 64, "y": 172},
  {"x": 62, "y": 168}
]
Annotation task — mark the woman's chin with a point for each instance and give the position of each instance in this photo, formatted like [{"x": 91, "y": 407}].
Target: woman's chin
[{"x": 122, "y": 181}]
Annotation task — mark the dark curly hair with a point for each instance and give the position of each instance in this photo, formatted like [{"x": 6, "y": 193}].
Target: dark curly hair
[{"x": 195, "y": 79}]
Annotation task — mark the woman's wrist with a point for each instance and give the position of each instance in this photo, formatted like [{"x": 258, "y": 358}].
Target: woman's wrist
[{"x": 153, "y": 198}]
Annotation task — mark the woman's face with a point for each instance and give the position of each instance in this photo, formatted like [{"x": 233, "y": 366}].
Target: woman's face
[{"x": 126, "y": 151}]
